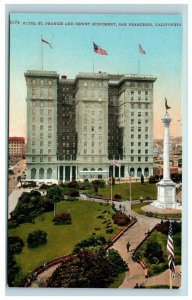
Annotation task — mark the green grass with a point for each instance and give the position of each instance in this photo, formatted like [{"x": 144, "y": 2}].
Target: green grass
[
  {"x": 157, "y": 236},
  {"x": 136, "y": 207},
  {"x": 61, "y": 239},
  {"x": 137, "y": 190},
  {"x": 118, "y": 281}
]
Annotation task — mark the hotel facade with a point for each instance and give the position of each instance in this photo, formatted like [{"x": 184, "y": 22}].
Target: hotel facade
[{"x": 77, "y": 127}]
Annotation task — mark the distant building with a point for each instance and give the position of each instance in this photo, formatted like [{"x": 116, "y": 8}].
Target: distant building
[
  {"x": 76, "y": 127},
  {"x": 16, "y": 147}
]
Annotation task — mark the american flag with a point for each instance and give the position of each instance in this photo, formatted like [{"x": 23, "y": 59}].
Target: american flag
[
  {"x": 44, "y": 41},
  {"x": 98, "y": 50},
  {"x": 115, "y": 163},
  {"x": 141, "y": 50},
  {"x": 170, "y": 250}
]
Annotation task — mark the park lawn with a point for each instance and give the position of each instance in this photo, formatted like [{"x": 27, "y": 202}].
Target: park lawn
[
  {"x": 137, "y": 190},
  {"x": 61, "y": 239},
  {"x": 155, "y": 269},
  {"x": 136, "y": 207}
]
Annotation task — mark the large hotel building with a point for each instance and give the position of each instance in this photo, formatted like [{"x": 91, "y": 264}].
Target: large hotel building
[{"x": 77, "y": 127}]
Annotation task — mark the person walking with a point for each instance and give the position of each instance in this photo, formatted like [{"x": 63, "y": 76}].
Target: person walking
[{"x": 128, "y": 246}]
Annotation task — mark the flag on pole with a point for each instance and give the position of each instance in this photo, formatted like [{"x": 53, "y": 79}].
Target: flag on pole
[
  {"x": 44, "y": 41},
  {"x": 141, "y": 50},
  {"x": 170, "y": 251},
  {"x": 99, "y": 50},
  {"x": 115, "y": 163}
]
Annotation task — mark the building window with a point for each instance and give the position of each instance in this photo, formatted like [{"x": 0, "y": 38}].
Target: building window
[
  {"x": 41, "y": 120},
  {"x": 33, "y": 91},
  {"x": 132, "y": 151},
  {"x": 146, "y": 92},
  {"x": 33, "y": 119},
  {"x": 41, "y": 135},
  {"x": 132, "y": 136},
  {"x": 132, "y": 128},
  {"x": 146, "y": 113},
  {"x": 33, "y": 158},
  {"x": 132, "y": 113},
  {"x": 41, "y": 143},
  {"x": 132, "y": 159},
  {"x": 41, "y": 127},
  {"x": 139, "y": 151},
  {"x": 85, "y": 128},
  {"x": 139, "y": 114},
  {"x": 139, "y": 137},
  {"x": 139, "y": 128},
  {"x": 146, "y": 129},
  {"x": 92, "y": 151},
  {"x": 85, "y": 151},
  {"x": 41, "y": 158},
  {"x": 146, "y": 144},
  {"x": 49, "y": 151},
  {"x": 132, "y": 143},
  {"x": 49, "y": 112},
  {"x": 139, "y": 158},
  {"x": 49, "y": 135},
  {"x": 33, "y": 151},
  {"x": 41, "y": 104},
  {"x": 146, "y": 136},
  {"x": 146, "y": 151},
  {"x": 41, "y": 151},
  {"x": 139, "y": 143},
  {"x": 92, "y": 144},
  {"x": 146, "y": 158},
  {"x": 92, "y": 128},
  {"x": 33, "y": 143},
  {"x": 49, "y": 158},
  {"x": 49, "y": 120},
  {"x": 139, "y": 121},
  {"x": 49, "y": 127},
  {"x": 49, "y": 143},
  {"x": 132, "y": 121},
  {"x": 146, "y": 121},
  {"x": 146, "y": 105}
]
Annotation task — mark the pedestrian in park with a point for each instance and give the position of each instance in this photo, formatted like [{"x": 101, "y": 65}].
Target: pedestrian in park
[
  {"x": 146, "y": 272},
  {"x": 128, "y": 246}
]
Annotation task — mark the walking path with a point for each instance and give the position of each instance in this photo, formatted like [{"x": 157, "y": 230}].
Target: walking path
[{"x": 134, "y": 236}]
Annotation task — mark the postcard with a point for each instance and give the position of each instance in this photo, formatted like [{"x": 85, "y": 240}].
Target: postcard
[{"x": 95, "y": 151}]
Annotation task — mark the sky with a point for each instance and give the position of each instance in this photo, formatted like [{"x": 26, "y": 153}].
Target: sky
[{"x": 73, "y": 53}]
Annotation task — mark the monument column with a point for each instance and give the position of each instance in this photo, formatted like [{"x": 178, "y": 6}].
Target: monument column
[
  {"x": 166, "y": 189},
  {"x": 166, "y": 166}
]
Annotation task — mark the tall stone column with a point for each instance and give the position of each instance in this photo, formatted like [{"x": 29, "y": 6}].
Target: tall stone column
[
  {"x": 166, "y": 165},
  {"x": 166, "y": 188}
]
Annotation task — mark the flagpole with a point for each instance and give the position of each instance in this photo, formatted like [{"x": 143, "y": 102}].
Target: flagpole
[
  {"x": 139, "y": 66},
  {"x": 41, "y": 54},
  {"x": 93, "y": 63},
  {"x": 170, "y": 279}
]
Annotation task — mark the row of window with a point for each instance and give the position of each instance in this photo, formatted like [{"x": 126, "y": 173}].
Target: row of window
[
  {"x": 139, "y": 105},
  {"x": 138, "y": 159},
  {"x": 41, "y": 159},
  {"x": 42, "y": 81},
  {"x": 139, "y": 151},
  {"x": 34, "y": 111},
  {"x": 92, "y": 151},
  {"x": 92, "y": 159},
  {"x": 41, "y": 120},
  {"x": 42, "y": 103},
  {"x": 41, "y": 143},
  {"x": 139, "y": 143},
  {"x": 139, "y": 136},
  {"x": 139, "y": 121},
  {"x": 139, "y": 129}
]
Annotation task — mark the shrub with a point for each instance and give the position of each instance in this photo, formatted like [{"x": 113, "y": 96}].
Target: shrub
[
  {"x": 120, "y": 219},
  {"x": 82, "y": 187},
  {"x": 72, "y": 184},
  {"x": 44, "y": 186},
  {"x": 154, "y": 253},
  {"x": 117, "y": 196},
  {"x": 109, "y": 230},
  {"x": 163, "y": 227},
  {"x": 36, "y": 238},
  {"x": 12, "y": 271},
  {"x": 92, "y": 241},
  {"x": 15, "y": 245},
  {"x": 73, "y": 192},
  {"x": 115, "y": 258},
  {"x": 12, "y": 223},
  {"x": 63, "y": 218}
]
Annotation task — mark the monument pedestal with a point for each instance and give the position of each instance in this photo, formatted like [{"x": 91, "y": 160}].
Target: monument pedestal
[{"x": 166, "y": 191}]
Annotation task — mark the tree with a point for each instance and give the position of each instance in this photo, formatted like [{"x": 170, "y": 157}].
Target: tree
[
  {"x": 142, "y": 179},
  {"x": 87, "y": 269},
  {"x": 115, "y": 258},
  {"x": 154, "y": 253},
  {"x": 36, "y": 238},
  {"x": 54, "y": 193}
]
